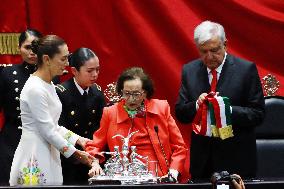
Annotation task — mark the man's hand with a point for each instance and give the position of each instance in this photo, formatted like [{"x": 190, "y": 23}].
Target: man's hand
[
  {"x": 239, "y": 185},
  {"x": 201, "y": 98}
]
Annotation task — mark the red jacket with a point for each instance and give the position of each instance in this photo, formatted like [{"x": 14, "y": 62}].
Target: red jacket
[{"x": 115, "y": 120}]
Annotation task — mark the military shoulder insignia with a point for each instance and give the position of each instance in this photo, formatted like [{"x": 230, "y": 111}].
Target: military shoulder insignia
[
  {"x": 60, "y": 88},
  {"x": 98, "y": 87}
]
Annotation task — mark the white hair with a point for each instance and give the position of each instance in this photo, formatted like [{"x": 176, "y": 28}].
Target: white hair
[{"x": 208, "y": 30}]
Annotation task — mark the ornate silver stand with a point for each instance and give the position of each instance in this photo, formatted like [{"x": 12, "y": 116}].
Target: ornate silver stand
[{"x": 126, "y": 170}]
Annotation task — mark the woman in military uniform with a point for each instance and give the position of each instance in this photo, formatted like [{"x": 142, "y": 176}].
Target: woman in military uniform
[
  {"x": 12, "y": 80},
  {"x": 82, "y": 106}
]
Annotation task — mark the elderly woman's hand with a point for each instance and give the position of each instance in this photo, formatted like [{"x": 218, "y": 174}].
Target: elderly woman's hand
[
  {"x": 168, "y": 178},
  {"x": 83, "y": 157},
  {"x": 82, "y": 142},
  {"x": 96, "y": 169}
]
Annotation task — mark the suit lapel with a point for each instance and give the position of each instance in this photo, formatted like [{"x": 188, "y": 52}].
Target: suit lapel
[
  {"x": 226, "y": 74},
  {"x": 73, "y": 89},
  {"x": 203, "y": 77}
]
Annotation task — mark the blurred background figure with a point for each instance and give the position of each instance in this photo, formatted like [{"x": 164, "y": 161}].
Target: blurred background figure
[
  {"x": 82, "y": 106},
  {"x": 238, "y": 183},
  {"x": 229, "y": 180}
]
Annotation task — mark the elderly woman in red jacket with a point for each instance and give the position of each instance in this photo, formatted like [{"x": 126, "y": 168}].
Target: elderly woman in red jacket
[{"x": 158, "y": 136}]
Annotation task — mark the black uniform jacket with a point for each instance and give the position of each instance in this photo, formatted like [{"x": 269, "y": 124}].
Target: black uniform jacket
[{"x": 80, "y": 114}]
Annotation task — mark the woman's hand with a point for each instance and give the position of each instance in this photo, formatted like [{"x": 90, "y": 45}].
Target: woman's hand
[
  {"x": 82, "y": 142},
  {"x": 83, "y": 157},
  {"x": 168, "y": 178},
  {"x": 96, "y": 169}
]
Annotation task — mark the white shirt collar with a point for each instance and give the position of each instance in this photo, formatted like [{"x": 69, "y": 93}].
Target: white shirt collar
[
  {"x": 219, "y": 68},
  {"x": 80, "y": 88}
]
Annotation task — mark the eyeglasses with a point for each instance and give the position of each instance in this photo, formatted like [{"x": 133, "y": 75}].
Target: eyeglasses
[{"x": 134, "y": 94}]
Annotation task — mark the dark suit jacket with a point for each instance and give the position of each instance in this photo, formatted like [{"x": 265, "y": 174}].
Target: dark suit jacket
[
  {"x": 82, "y": 116},
  {"x": 240, "y": 82}
]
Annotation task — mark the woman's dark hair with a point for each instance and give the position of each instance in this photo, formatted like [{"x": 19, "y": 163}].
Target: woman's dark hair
[
  {"x": 29, "y": 32},
  {"x": 134, "y": 73},
  {"x": 48, "y": 45},
  {"x": 80, "y": 56}
]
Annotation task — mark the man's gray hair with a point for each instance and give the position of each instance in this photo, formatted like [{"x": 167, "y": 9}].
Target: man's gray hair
[{"x": 208, "y": 30}]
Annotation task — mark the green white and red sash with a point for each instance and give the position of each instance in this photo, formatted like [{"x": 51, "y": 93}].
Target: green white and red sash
[{"x": 213, "y": 118}]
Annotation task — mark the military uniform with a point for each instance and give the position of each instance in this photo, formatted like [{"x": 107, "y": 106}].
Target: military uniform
[
  {"x": 80, "y": 114},
  {"x": 12, "y": 80}
]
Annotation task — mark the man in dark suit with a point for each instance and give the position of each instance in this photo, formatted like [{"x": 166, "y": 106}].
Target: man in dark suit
[{"x": 234, "y": 78}]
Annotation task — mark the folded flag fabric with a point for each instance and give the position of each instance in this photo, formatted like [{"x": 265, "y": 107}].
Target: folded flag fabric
[{"x": 213, "y": 118}]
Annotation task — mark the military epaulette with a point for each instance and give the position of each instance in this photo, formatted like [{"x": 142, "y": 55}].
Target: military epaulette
[
  {"x": 60, "y": 87},
  {"x": 98, "y": 87},
  {"x": 5, "y": 65}
]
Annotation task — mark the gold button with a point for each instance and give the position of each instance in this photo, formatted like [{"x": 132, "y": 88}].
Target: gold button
[
  {"x": 16, "y": 89},
  {"x": 93, "y": 111},
  {"x": 19, "y": 117},
  {"x": 17, "y": 98},
  {"x": 76, "y": 125},
  {"x": 18, "y": 108},
  {"x": 86, "y": 132},
  {"x": 15, "y": 72},
  {"x": 72, "y": 113},
  {"x": 90, "y": 123},
  {"x": 16, "y": 81}
]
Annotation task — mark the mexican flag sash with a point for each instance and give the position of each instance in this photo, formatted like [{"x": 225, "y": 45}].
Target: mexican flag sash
[{"x": 213, "y": 118}]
